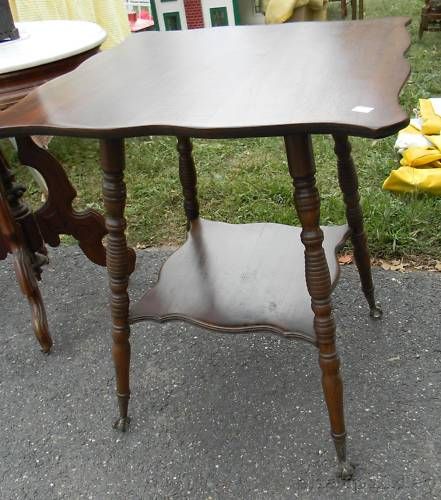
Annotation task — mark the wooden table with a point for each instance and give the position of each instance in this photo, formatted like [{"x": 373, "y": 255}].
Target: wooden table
[
  {"x": 280, "y": 80},
  {"x": 430, "y": 17},
  {"x": 45, "y": 50}
]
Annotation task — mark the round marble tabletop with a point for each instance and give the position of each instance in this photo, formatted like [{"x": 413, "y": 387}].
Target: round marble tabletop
[{"x": 43, "y": 42}]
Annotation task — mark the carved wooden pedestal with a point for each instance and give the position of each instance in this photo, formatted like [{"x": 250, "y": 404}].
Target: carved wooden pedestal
[
  {"x": 33, "y": 230},
  {"x": 20, "y": 236},
  {"x": 24, "y": 233}
]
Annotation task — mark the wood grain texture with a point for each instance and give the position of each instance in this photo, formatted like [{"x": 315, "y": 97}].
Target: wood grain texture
[
  {"x": 242, "y": 278},
  {"x": 230, "y": 82}
]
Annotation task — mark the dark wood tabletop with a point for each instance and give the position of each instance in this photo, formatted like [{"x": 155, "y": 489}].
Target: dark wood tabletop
[{"x": 230, "y": 82}]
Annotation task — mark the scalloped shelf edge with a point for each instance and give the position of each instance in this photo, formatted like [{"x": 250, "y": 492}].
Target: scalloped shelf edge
[{"x": 239, "y": 278}]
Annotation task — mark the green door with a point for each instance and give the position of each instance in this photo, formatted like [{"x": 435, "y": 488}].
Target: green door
[
  {"x": 219, "y": 16},
  {"x": 172, "y": 21}
]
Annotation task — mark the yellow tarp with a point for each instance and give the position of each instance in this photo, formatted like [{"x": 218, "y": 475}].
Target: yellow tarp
[
  {"x": 431, "y": 121},
  {"x": 435, "y": 140},
  {"x": 280, "y": 11},
  {"x": 419, "y": 157},
  {"x": 414, "y": 180},
  {"x": 420, "y": 145}
]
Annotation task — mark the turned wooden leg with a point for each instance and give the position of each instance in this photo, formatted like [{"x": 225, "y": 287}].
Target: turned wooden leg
[
  {"x": 360, "y": 9},
  {"x": 307, "y": 203},
  {"x": 347, "y": 176},
  {"x": 187, "y": 175},
  {"x": 114, "y": 193},
  {"x": 24, "y": 271}
]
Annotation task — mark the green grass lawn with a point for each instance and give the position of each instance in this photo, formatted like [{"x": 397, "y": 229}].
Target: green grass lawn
[{"x": 247, "y": 180}]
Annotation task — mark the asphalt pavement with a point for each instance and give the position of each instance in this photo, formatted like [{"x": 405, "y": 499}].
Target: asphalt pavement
[{"x": 216, "y": 416}]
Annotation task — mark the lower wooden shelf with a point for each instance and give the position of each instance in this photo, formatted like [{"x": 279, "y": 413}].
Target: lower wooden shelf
[{"x": 239, "y": 278}]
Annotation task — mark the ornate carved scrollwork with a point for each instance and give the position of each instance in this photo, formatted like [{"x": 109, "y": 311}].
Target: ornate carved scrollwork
[
  {"x": 57, "y": 216},
  {"x": 24, "y": 270},
  {"x": 23, "y": 216}
]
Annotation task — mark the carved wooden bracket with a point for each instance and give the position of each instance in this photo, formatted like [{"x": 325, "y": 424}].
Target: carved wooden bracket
[{"x": 57, "y": 216}]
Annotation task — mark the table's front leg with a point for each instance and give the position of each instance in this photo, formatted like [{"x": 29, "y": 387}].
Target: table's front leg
[
  {"x": 117, "y": 261},
  {"x": 307, "y": 203},
  {"x": 347, "y": 177}
]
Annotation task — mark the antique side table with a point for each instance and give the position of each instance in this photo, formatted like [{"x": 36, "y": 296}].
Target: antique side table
[
  {"x": 280, "y": 80},
  {"x": 45, "y": 50}
]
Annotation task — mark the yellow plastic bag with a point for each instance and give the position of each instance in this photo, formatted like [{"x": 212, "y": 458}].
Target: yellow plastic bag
[
  {"x": 414, "y": 180},
  {"x": 279, "y": 11},
  {"x": 421, "y": 154},
  {"x": 435, "y": 140},
  {"x": 431, "y": 121},
  {"x": 418, "y": 157}
]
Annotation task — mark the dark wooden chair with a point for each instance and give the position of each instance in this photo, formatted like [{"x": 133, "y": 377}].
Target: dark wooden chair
[
  {"x": 430, "y": 17},
  {"x": 353, "y": 4}
]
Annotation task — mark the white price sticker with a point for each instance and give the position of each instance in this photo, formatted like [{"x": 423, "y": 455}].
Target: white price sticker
[{"x": 362, "y": 109}]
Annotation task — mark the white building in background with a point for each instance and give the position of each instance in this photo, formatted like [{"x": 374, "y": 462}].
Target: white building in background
[{"x": 171, "y": 15}]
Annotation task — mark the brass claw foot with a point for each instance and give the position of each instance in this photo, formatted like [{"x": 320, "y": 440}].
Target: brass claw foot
[
  {"x": 375, "y": 312},
  {"x": 345, "y": 468},
  {"x": 122, "y": 424},
  {"x": 345, "y": 471}
]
